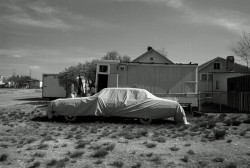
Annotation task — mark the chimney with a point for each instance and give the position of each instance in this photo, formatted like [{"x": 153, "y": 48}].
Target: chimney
[
  {"x": 230, "y": 63},
  {"x": 149, "y": 48}
]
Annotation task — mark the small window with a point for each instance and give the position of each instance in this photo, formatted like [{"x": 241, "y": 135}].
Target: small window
[
  {"x": 217, "y": 65},
  {"x": 210, "y": 77},
  {"x": 203, "y": 77},
  {"x": 103, "y": 68},
  {"x": 151, "y": 58},
  {"x": 217, "y": 85}
]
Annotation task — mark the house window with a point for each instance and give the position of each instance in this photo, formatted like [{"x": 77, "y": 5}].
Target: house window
[
  {"x": 103, "y": 68},
  {"x": 210, "y": 77},
  {"x": 217, "y": 65},
  {"x": 203, "y": 77},
  {"x": 217, "y": 85},
  {"x": 151, "y": 58}
]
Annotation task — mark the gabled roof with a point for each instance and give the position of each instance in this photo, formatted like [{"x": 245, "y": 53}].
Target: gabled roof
[
  {"x": 237, "y": 67},
  {"x": 149, "y": 52}
]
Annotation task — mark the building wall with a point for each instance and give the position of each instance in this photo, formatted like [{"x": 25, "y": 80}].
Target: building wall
[
  {"x": 158, "y": 79},
  {"x": 156, "y": 58},
  {"x": 207, "y": 85}
]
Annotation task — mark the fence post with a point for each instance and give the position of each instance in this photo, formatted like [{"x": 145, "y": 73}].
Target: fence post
[
  {"x": 199, "y": 101},
  {"x": 220, "y": 101}
]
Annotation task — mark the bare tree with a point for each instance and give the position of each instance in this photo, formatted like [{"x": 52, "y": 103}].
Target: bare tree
[
  {"x": 114, "y": 55},
  {"x": 242, "y": 48},
  {"x": 163, "y": 52}
]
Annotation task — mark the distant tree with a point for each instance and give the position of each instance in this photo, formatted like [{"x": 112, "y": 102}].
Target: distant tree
[
  {"x": 242, "y": 48},
  {"x": 163, "y": 52},
  {"x": 114, "y": 55},
  {"x": 70, "y": 74}
]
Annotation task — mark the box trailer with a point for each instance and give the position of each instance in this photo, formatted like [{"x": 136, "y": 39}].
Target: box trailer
[
  {"x": 51, "y": 87},
  {"x": 171, "y": 81}
]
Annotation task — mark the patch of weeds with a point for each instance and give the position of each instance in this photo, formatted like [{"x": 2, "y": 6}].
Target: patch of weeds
[
  {"x": 35, "y": 165},
  {"x": 219, "y": 133},
  {"x": 242, "y": 133},
  {"x": 64, "y": 145},
  {"x": 159, "y": 139},
  {"x": 98, "y": 162},
  {"x": 174, "y": 148},
  {"x": 52, "y": 162},
  {"x": 3, "y": 157},
  {"x": 156, "y": 159},
  {"x": 149, "y": 154},
  {"x": 248, "y": 153},
  {"x": 141, "y": 132},
  {"x": 68, "y": 136},
  {"x": 187, "y": 144},
  {"x": 137, "y": 165},
  {"x": 100, "y": 153},
  {"x": 109, "y": 146},
  {"x": 39, "y": 154},
  {"x": 191, "y": 152},
  {"x": 76, "y": 154},
  {"x": 78, "y": 136},
  {"x": 80, "y": 144},
  {"x": 117, "y": 164},
  {"x": 218, "y": 159},
  {"x": 150, "y": 145},
  {"x": 229, "y": 140},
  {"x": 74, "y": 128},
  {"x": 128, "y": 135},
  {"x": 48, "y": 138},
  {"x": 4, "y": 145},
  {"x": 231, "y": 165},
  {"x": 185, "y": 158},
  {"x": 43, "y": 146},
  {"x": 30, "y": 140}
]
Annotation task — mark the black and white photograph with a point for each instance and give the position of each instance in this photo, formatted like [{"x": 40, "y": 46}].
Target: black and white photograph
[{"x": 124, "y": 84}]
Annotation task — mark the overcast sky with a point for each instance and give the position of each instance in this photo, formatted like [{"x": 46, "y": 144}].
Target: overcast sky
[{"x": 48, "y": 36}]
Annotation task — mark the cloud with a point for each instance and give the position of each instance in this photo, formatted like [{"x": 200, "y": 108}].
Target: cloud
[
  {"x": 174, "y": 3},
  {"x": 39, "y": 14}
]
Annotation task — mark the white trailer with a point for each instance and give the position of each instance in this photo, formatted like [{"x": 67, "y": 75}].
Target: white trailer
[{"x": 51, "y": 87}]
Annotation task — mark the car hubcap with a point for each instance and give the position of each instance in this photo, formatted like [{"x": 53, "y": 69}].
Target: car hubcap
[
  {"x": 145, "y": 121},
  {"x": 70, "y": 118}
]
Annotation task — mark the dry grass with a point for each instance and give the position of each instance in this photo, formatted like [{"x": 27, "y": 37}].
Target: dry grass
[{"x": 120, "y": 144}]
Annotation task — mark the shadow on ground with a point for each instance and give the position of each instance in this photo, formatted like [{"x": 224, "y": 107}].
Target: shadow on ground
[{"x": 93, "y": 119}]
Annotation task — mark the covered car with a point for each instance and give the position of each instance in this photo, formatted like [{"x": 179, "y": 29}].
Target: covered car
[{"x": 119, "y": 102}]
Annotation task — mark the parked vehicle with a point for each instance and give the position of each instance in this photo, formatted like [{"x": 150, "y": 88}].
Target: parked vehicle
[
  {"x": 51, "y": 87},
  {"x": 118, "y": 102}
]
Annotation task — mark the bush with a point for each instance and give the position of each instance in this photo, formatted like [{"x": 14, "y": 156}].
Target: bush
[
  {"x": 35, "y": 165},
  {"x": 219, "y": 133},
  {"x": 76, "y": 154},
  {"x": 3, "y": 157},
  {"x": 102, "y": 152},
  {"x": 117, "y": 164},
  {"x": 174, "y": 148},
  {"x": 150, "y": 145},
  {"x": 185, "y": 158},
  {"x": 218, "y": 159},
  {"x": 191, "y": 152}
]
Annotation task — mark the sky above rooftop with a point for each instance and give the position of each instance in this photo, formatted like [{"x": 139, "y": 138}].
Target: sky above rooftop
[{"x": 47, "y": 36}]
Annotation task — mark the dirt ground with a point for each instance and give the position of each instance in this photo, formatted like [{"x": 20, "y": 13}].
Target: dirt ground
[{"x": 29, "y": 139}]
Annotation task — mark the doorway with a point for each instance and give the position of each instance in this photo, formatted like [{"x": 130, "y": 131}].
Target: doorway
[{"x": 102, "y": 82}]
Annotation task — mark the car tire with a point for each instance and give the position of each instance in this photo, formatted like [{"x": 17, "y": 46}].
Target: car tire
[
  {"x": 145, "y": 121},
  {"x": 70, "y": 118}
]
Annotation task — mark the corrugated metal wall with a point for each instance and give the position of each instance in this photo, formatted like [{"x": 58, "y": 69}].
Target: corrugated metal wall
[{"x": 160, "y": 79}]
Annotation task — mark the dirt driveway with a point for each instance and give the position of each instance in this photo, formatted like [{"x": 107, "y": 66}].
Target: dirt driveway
[{"x": 19, "y": 96}]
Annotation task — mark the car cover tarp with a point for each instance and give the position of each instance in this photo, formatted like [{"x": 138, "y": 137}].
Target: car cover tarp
[{"x": 123, "y": 102}]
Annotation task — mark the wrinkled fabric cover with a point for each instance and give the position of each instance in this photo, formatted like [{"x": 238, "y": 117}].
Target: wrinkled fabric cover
[{"x": 123, "y": 102}]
